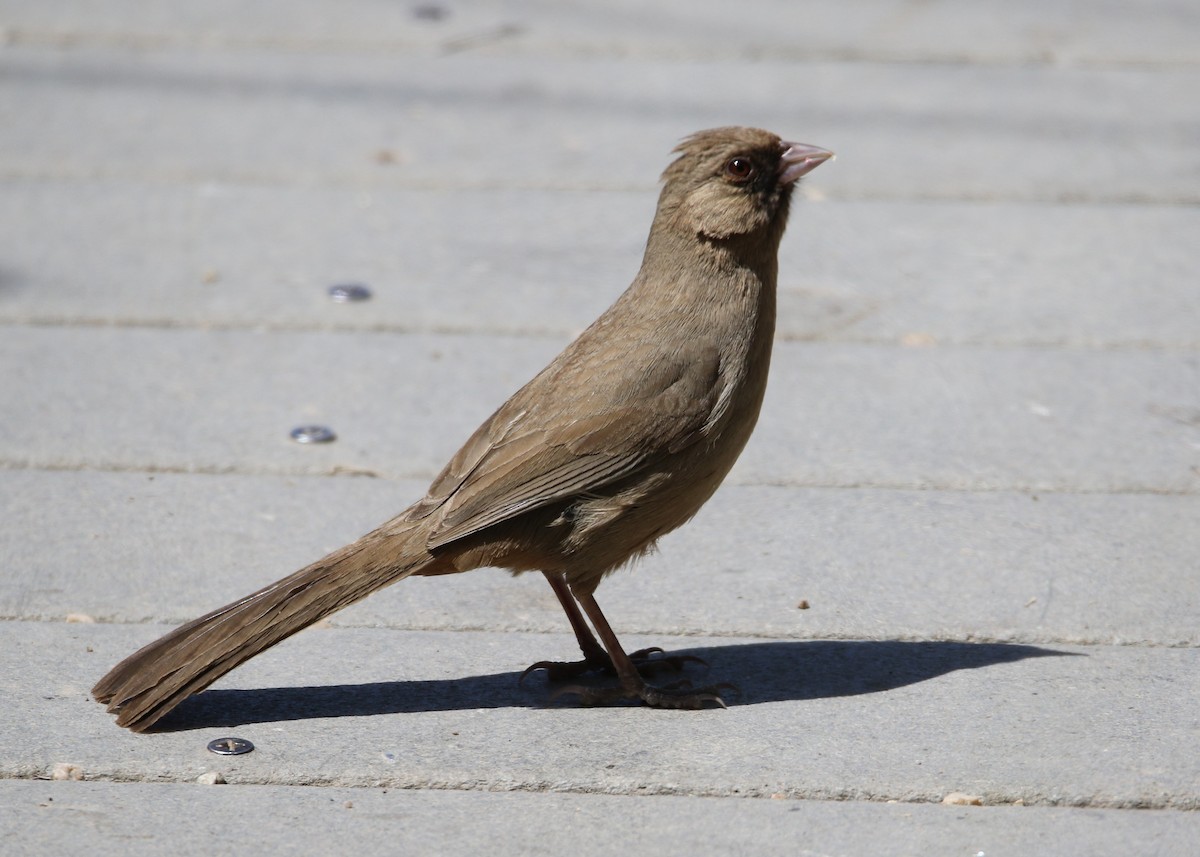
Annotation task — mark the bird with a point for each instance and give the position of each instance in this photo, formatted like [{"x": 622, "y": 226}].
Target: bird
[{"x": 618, "y": 441}]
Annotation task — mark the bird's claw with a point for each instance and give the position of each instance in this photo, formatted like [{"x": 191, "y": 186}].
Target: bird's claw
[
  {"x": 560, "y": 670},
  {"x": 642, "y": 659}
]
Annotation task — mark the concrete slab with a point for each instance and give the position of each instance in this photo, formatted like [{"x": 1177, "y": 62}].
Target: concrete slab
[
  {"x": 836, "y": 414},
  {"x": 871, "y": 564},
  {"x": 987, "y": 458},
  {"x": 829, "y": 720},
  {"x": 901, "y": 131},
  {"x": 128, "y": 818},
  {"x": 1154, "y": 33},
  {"x": 546, "y": 262}
]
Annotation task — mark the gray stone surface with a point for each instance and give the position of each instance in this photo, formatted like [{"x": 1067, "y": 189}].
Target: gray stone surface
[
  {"x": 978, "y": 465},
  {"x": 546, "y": 262},
  {"x": 838, "y": 414},
  {"x": 1155, "y": 33},
  {"x": 872, "y": 564},
  {"x": 985, "y": 132},
  {"x": 865, "y": 720},
  {"x": 112, "y": 818}
]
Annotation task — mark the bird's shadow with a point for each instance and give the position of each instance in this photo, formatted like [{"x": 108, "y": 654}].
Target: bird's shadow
[{"x": 764, "y": 672}]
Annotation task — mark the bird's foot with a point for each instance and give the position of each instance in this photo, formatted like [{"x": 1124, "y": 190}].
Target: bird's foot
[
  {"x": 643, "y": 659},
  {"x": 680, "y": 694}
]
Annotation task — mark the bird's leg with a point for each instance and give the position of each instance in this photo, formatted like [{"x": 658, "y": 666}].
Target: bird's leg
[
  {"x": 594, "y": 656},
  {"x": 595, "y": 659},
  {"x": 632, "y": 683}
]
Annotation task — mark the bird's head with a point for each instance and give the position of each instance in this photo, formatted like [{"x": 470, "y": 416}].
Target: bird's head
[{"x": 730, "y": 182}]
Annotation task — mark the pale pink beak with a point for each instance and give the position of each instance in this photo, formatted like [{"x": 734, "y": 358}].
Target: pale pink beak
[{"x": 800, "y": 159}]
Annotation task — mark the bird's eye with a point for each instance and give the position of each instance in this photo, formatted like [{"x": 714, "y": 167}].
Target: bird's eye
[{"x": 739, "y": 169}]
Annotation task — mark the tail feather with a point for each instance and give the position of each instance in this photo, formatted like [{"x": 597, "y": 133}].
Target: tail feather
[{"x": 156, "y": 678}]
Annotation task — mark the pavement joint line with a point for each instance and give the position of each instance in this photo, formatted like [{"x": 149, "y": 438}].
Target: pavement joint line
[
  {"x": 299, "y": 179},
  {"x": 376, "y": 182},
  {"x": 343, "y": 471},
  {"x": 643, "y": 790},
  {"x": 489, "y": 36},
  {"x": 564, "y": 334},
  {"x": 673, "y": 634}
]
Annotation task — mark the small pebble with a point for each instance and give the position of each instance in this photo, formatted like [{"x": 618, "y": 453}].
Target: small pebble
[
  {"x": 66, "y": 771},
  {"x": 211, "y": 778}
]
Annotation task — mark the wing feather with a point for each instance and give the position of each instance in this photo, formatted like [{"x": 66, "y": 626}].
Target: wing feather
[{"x": 537, "y": 460}]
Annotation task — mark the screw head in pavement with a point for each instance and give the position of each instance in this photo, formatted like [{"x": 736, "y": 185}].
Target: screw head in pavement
[
  {"x": 313, "y": 434},
  {"x": 230, "y": 746},
  {"x": 345, "y": 293}
]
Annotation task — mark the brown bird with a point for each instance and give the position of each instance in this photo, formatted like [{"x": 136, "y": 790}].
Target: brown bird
[{"x": 621, "y": 439}]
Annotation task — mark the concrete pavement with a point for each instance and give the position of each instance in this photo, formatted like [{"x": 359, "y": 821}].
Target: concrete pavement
[{"x": 978, "y": 465}]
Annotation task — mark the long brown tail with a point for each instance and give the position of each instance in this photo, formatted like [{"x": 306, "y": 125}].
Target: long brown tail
[{"x": 156, "y": 678}]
